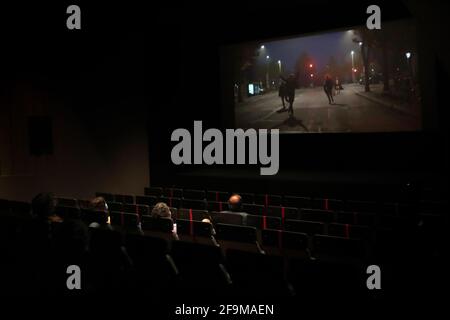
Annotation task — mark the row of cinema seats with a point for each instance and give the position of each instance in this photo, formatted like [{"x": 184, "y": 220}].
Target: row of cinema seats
[
  {"x": 192, "y": 267},
  {"x": 275, "y": 249},
  {"x": 213, "y": 200}
]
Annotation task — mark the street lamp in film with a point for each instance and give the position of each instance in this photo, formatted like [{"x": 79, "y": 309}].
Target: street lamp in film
[
  {"x": 353, "y": 66},
  {"x": 267, "y": 72},
  {"x": 279, "y": 66},
  {"x": 408, "y": 59}
]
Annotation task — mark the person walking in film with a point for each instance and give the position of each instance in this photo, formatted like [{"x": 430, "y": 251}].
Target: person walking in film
[
  {"x": 289, "y": 91},
  {"x": 328, "y": 88},
  {"x": 282, "y": 95}
]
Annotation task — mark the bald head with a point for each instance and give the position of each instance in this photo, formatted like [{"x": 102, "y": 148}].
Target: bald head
[{"x": 235, "y": 203}]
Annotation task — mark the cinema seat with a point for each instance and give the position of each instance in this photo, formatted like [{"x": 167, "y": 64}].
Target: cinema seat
[
  {"x": 309, "y": 227},
  {"x": 171, "y": 202},
  {"x": 68, "y": 212},
  {"x": 297, "y": 202},
  {"x": 349, "y": 231},
  {"x": 361, "y": 206},
  {"x": 109, "y": 197},
  {"x": 173, "y": 192},
  {"x": 90, "y": 216},
  {"x": 124, "y": 198},
  {"x": 124, "y": 220},
  {"x": 264, "y": 222},
  {"x": 330, "y": 246},
  {"x": 137, "y": 208},
  {"x": 67, "y": 202},
  {"x": 317, "y": 215},
  {"x": 268, "y": 199},
  {"x": 246, "y": 197},
  {"x": 255, "y": 274},
  {"x": 153, "y": 191},
  {"x": 217, "y": 196},
  {"x": 191, "y": 214},
  {"x": 194, "y": 228},
  {"x": 115, "y": 206},
  {"x": 193, "y": 204},
  {"x": 283, "y": 212},
  {"x": 20, "y": 209},
  {"x": 146, "y": 200},
  {"x": 194, "y": 194},
  {"x": 199, "y": 262},
  {"x": 327, "y": 204},
  {"x": 149, "y": 223},
  {"x": 319, "y": 280},
  {"x": 226, "y": 218},
  {"x": 364, "y": 219},
  {"x": 284, "y": 239},
  {"x": 217, "y": 206},
  {"x": 255, "y": 209},
  {"x": 4, "y": 207},
  {"x": 156, "y": 272},
  {"x": 237, "y": 233}
]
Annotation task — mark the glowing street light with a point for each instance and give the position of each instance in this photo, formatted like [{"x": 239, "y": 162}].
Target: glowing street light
[
  {"x": 310, "y": 65},
  {"x": 360, "y": 43},
  {"x": 267, "y": 57},
  {"x": 353, "y": 66},
  {"x": 262, "y": 47},
  {"x": 279, "y": 65},
  {"x": 408, "y": 55}
]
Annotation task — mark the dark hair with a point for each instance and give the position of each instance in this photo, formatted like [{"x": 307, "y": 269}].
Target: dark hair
[{"x": 43, "y": 205}]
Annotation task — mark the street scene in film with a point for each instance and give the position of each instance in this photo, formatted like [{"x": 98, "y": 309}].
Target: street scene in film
[{"x": 355, "y": 80}]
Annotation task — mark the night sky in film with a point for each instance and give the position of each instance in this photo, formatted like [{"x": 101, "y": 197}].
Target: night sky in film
[{"x": 319, "y": 47}]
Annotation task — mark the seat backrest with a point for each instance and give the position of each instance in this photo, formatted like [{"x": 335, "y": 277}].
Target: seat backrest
[
  {"x": 171, "y": 202},
  {"x": 226, "y": 218},
  {"x": 146, "y": 200},
  {"x": 157, "y": 224},
  {"x": 191, "y": 214},
  {"x": 126, "y": 220},
  {"x": 115, "y": 206},
  {"x": 109, "y": 197},
  {"x": 90, "y": 216},
  {"x": 309, "y": 227},
  {"x": 361, "y": 206},
  {"x": 338, "y": 246},
  {"x": 283, "y": 212},
  {"x": 327, "y": 204},
  {"x": 246, "y": 197},
  {"x": 268, "y": 199},
  {"x": 284, "y": 239},
  {"x": 68, "y": 212},
  {"x": 349, "y": 231},
  {"x": 217, "y": 206},
  {"x": 20, "y": 208},
  {"x": 173, "y": 192},
  {"x": 194, "y": 194},
  {"x": 235, "y": 233},
  {"x": 124, "y": 198},
  {"x": 193, "y": 204},
  {"x": 255, "y": 209},
  {"x": 67, "y": 202},
  {"x": 218, "y": 196},
  {"x": 263, "y": 222},
  {"x": 297, "y": 202},
  {"x": 194, "y": 228},
  {"x": 153, "y": 191},
  {"x": 317, "y": 215}
]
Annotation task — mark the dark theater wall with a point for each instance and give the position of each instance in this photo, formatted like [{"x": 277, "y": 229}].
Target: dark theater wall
[{"x": 91, "y": 86}]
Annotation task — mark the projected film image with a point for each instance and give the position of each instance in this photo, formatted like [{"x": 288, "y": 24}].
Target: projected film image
[{"x": 355, "y": 80}]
